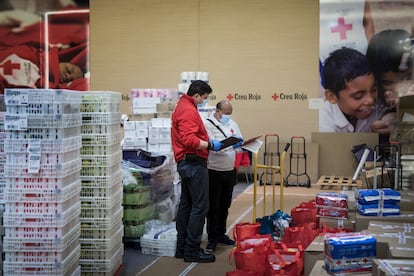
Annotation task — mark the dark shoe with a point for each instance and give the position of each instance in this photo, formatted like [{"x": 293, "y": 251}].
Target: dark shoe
[
  {"x": 200, "y": 257},
  {"x": 211, "y": 246},
  {"x": 226, "y": 240},
  {"x": 179, "y": 254}
]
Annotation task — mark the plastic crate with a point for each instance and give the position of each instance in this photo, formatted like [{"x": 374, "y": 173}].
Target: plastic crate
[
  {"x": 101, "y": 118},
  {"x": 101, "y": 254},
  {"x": 100, "y": 129},
  {"x": 43, "y": 109},
  {"x": 51, "y": 170},
  {"x": 101, "y": 102},
  {"x": 101, "y": 223},
  {"x": 43, "y": 244},
  {"x": 68, "y": 266},
  {"x": 42, "y": 256},
  {"x": 41, "y": 220},
  {"x": 40, "y": 207},
  {"x": 103, "y": 244},
  {"x": 91, "y": 267},
  {"x": 104, "y": 191},
  {"x": 88, "y": 233},
  {"x": 59, "y": 195},
  {"x": 40, "y": 183},
  {"x": 101, "y": 160},
  {"x": 44, "y": 232},
  {"x": 44, "y": 158},
  {"x": 24, "y": 96},
  {"x": 101, "y": 181},
  {"x": 101, "y": 202},
  {"x": 139, "y": 213},
  {"x": 140, "y": 195},
  {"x": 46, "y": 145},
  {"x": 100, "y": 171},
  {"x": 89, "y": 212},
  {"x": 24, "y": 122},
  {"x": 100, "y": 149},
  {"x": 44, "y": 133},
  {"x": 158, "y": 247},
  {"x": 134, "y": 230},
  {"x": 102, "y": 139}
]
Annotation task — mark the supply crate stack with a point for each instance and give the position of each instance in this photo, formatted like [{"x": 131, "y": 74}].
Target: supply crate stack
[
  {"x": 42, "y": 173},
  {"x": 101, "y": 188}
]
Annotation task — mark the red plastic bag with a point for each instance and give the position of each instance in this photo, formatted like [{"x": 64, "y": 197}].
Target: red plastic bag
[
  {"x": 304, "y": 213},
  {"x": 245, "y": 230},
  {"x": 303, "y": 234},
  {"x": 251, "y": 254}
]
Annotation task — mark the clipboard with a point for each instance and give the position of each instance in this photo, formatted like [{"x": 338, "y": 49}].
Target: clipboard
[{"x": 251, "y": 140}]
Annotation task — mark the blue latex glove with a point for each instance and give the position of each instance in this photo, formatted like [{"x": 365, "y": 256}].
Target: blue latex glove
[
  {"x": 215, "y": 145},
  {"x": 238, "y": 144}
]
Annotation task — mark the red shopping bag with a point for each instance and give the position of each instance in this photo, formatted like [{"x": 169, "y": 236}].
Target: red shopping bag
[
  {"x": 251, "y": 254},
  {"x": 304, "y": 234},
  {"x": 245, "y": 230},
  {"x": 238, "y": 272}
]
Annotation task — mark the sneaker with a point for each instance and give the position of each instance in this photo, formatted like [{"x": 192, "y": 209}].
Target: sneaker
[
  {"x": 226, "y": 240},
  {"x": 200, "y": 257},
  {"x": 211, "y": 246}
]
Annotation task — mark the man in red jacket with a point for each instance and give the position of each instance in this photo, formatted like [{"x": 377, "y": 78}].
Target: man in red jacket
[{"x": 191, "y": 146}]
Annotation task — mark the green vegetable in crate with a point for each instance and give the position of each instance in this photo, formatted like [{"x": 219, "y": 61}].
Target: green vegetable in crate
[
  {"x": 134, "y": 213},
  {"x": 137, "y": 196}
]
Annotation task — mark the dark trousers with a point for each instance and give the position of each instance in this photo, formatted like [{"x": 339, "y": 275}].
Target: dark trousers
[
  {"x": 221, "y": 190},
  {"x": 193, "y": 207}
]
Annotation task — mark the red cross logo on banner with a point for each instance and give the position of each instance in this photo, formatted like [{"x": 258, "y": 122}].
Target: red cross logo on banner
[
  {"x": 275, "y": 96},
  {"x": 9, "y": 66},
  {"x": 341, "y": 28},
  {"x": 230, "y": 97}
]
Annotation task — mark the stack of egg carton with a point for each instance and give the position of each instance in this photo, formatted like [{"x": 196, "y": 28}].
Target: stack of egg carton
[
  {"x": 101, "y": 177},
  {"x": 42, "y": 202}
]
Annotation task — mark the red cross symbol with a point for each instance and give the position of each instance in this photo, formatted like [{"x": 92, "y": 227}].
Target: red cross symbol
[
  {"x": 275, "y": 96},
  {"x": 230, "y": 97},
  {"x": 232, "y": 131},
  {"x": 8, "y": 67},
  {"x": 338, "y": 262},
  {"x": 341, "y": 28}
]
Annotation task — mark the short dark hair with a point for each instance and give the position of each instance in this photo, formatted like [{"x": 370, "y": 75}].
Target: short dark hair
[
  {"x": 385, "y": 51},
  {"x": 199, "y": 87},
  {"x": 342, "y": 66}
]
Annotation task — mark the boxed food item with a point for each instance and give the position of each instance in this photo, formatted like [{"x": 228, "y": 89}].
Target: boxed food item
[
  {"x": 377, "y": 202},
  {"x": 332, "y": 204},
  {"x": 384, "y": 267}
]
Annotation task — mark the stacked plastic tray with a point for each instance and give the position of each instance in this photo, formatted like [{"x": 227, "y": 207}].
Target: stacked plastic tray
[
  {"x": 42, "y": 182},
  {"x": 101, "y": 188}
]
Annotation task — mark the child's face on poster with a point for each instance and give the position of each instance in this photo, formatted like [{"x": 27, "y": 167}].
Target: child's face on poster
[{"x": 358, "y": 98}]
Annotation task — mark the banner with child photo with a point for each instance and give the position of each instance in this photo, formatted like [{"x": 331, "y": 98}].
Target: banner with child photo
[{"x": 366, "y": 64}]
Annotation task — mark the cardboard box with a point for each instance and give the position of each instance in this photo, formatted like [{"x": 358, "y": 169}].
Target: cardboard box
[
  {"x": 348, "y": 223},
  {"x": 393, "y": 245},
  {"x": 393, "y": 227},
  {"x": 407, "y": 201},
  {"x": 314, "y": 253},
  {"x": 362, "y": 222},
  {"x": 392, "y": 267},
  {"x": 319, "y": 270}
]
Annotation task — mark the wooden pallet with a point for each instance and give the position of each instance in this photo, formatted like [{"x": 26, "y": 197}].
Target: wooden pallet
[{"x": 332, "y": 182}]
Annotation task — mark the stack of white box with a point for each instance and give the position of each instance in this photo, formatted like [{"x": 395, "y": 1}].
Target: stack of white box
[
  {"x": 101, "y": 176},
  {"x": 153, "y": 135},
  {"x": 41, "y": 195}
]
